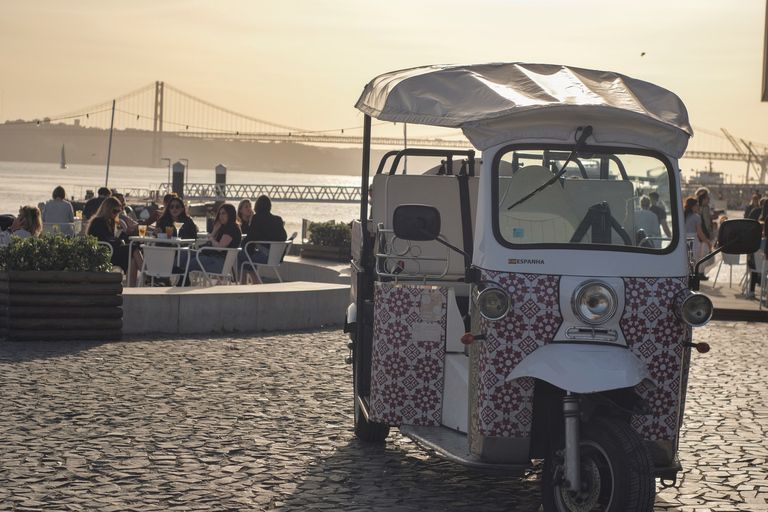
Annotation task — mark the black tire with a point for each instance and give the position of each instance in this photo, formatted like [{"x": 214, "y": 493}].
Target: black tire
[
  {"x": 369, "y": 431},
  {"x": 365, "y": 430},
  {"x": 617, "y": 472}
]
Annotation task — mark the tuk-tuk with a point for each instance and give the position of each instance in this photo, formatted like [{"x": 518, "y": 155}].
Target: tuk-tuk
[{"x": 525, "y": 302}]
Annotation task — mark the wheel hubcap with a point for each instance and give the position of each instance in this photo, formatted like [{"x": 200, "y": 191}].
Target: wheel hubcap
[{"x": 586, "y": 499}]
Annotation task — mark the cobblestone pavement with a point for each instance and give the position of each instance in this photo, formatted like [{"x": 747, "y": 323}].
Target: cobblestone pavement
[{"x": 258, "y": 423}]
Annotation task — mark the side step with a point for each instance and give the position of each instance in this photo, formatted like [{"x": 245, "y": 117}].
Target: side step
[{"x": 454, "y": 446}]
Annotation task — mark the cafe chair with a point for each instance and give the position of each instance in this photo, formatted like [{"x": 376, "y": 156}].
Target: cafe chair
[
  {"x": 730, "y": 260},
  {"x": 159, "y": 262},
  {"x": 277, "y": 252},
  {"x": 228, "y": 274},
  {"x": 65, "y": 228}
]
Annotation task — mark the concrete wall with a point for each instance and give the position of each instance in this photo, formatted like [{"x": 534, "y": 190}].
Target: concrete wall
[{"x": 250, "y": 308}]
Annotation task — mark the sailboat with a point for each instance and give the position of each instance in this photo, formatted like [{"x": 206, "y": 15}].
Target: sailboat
[{"x": 63, "y": 158}]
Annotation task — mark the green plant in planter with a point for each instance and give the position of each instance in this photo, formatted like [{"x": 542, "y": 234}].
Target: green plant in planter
[
  {"x": 330, "y": 234},
  {"x": 53, "y": 251}
]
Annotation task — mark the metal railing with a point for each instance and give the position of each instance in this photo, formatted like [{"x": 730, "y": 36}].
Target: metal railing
[{"x": 295, "y": 193}]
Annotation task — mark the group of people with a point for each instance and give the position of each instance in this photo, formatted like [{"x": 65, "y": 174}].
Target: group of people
[
  {"x": 231, "y": 228},
  {"x": 757, "y": 210},
  {"x": 651, "y": 218},
  {"x": 110, "y": 220}
]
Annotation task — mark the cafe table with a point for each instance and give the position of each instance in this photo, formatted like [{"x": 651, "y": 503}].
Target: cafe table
[{"x": 152, "y": 240}]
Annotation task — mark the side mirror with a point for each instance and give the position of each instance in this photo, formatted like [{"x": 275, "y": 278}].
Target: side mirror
[
  {"x": 740, "y": 236},
  {"x": 416, "y": 222}
]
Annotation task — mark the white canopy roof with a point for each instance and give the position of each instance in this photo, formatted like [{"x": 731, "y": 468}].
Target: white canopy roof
[{"x": 496, "y": 103}]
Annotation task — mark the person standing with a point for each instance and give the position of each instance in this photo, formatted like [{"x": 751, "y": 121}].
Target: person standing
[
  {"x": 693, "y": 228},
  {"x": 754, "y": 204},
  {"x": 59, "y": 210},
  {"x": 660, "y": 212},
  {"x": 648, "y": 222}
]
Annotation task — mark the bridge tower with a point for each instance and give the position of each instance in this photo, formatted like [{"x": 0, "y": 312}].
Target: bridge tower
[{"x": 157, "y": 131}]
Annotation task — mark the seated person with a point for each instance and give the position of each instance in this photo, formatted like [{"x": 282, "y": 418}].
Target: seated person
[
  {"x": 104, "y": 226},
  {"x": 175, "y": 212},
  {"x": 264, "y": 227},
  {"x": 27, "y": 224},
  {"x": 225, "y": 233}
]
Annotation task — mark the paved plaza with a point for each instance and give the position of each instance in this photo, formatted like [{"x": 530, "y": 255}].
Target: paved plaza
[{"x": 235, "y": 422}]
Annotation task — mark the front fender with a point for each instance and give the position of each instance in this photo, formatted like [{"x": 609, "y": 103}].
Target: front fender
[{"x": 584, "y": 368}]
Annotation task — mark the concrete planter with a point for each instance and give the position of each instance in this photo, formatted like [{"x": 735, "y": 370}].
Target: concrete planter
[
  {"x": 324, "y": 252},
  {"x": 56, "y": 305}
]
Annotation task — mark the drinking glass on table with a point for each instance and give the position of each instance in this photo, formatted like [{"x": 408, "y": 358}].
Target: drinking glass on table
[
  {"x": 169, "y": 232},
  {"x": 178, "y": 225},
  {"x": 142, "y": 230}
]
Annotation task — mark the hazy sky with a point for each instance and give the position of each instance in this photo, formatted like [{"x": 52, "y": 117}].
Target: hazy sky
[{"x": 304, "y": 62}]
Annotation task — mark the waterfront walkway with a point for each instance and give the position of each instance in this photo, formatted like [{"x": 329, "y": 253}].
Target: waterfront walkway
[{"x": 231, "y": 423}]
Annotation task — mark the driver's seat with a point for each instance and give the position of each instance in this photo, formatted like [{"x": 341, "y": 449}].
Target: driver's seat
[{"x": 546, "y": 217}]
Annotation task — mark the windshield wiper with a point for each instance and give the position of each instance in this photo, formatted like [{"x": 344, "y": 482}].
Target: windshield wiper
[{"x": 586, "y": 132}]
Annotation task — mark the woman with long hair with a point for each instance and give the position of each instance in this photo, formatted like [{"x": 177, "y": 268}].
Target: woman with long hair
[
  {"x": 225, "y": 233},
  {"x": 693, "y": 228},
  {"x": 27, "y": 224},
  {"x": 755, "y": 260},
  {"x": 244, "y": 214},
  {"x": 104, "y": 225},
  {"x": 176, "y": 211}
]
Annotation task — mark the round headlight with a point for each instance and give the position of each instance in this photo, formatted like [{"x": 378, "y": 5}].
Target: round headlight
[
  {"x": 695, "y": 309},
  {"x": 492, "y": 303},
  {"x": 594, "y": 302}
]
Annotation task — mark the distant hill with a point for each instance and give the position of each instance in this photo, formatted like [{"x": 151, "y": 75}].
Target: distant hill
[{"x": 31, "y": 143}]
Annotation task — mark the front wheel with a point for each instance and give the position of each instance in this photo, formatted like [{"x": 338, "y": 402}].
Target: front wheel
[{"x": 616, "y": 472}]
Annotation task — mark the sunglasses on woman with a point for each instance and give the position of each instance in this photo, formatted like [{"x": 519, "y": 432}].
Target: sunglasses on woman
[
  {"x": 115, "y": 212},
  {"x": 175, "y": 206}
]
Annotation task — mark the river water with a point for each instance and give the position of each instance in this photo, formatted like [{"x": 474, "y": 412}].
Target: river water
[{"x": 31, "y": 183}]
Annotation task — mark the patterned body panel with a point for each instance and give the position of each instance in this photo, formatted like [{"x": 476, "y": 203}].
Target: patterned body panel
[
  {"x": 655, "y": 335},
  {"x": 505, "y": 409},
  {"x": 652, "y": 331},
  {"x": 409, "y": 340},
  {"x": 408, "y": 349}
]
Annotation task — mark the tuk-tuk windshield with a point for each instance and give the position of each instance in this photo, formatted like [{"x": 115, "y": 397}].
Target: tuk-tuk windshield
[{"x": 618, "y": 199}]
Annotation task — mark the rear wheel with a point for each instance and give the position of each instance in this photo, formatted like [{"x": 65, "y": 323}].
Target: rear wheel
[
  {"x": 616, "y": 472},
  {"x": 366, "y": 430},
  {"x": 369, "y": 430}
]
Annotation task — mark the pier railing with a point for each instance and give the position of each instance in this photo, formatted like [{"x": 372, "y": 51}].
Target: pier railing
[{"x": 235, "y": 192}]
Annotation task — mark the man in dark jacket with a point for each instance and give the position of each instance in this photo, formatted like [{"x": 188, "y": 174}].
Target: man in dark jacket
[
  {"x": 264, "y": 227},
  {"x": 92, "y": 206}
]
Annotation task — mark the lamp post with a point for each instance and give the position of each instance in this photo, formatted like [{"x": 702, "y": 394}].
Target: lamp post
[
  {"x": 169, "y": 168},
  {"x": 186, "y": 162}
]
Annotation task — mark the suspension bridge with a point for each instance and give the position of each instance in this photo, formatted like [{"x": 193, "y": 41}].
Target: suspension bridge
[{"x": 161, "y": 110}]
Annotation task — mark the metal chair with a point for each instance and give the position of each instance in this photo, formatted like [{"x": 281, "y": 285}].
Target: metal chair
[
  {"x": 730, "y": 260},
  {"x": 277, "y": 252},
  {"x": 228, "y": 274},
  {"x": 65, "y": 228},
  {"x": 159, "y": 262}
]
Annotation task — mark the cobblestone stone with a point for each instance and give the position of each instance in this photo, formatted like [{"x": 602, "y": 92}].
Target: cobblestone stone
[{"x": 264, "y": 422}]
